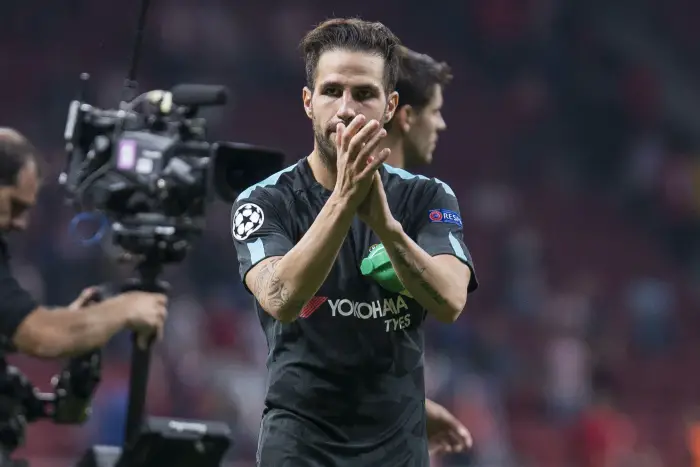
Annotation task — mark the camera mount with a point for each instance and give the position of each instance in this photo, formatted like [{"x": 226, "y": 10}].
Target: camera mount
[{"x": 156, "y": 441}]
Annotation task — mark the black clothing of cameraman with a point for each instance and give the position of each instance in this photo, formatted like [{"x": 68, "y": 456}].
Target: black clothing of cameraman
[
  {"x": 17, "y": 304},
  {"x": 32, "y": 329}
]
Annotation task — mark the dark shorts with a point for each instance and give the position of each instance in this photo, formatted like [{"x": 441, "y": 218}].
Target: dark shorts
[{"x": 288, "y": 440}]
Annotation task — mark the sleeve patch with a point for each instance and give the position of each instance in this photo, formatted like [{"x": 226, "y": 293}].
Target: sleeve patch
[
  {"x": 445, "y": 216},
  {"x": 247, "y": 219}
]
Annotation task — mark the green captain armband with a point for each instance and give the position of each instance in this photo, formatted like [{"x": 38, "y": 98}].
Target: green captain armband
[{"x": 377, "y": 266}]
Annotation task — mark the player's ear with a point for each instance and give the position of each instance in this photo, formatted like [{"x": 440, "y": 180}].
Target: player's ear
[
  {"x": 391, "y": 104},
  {"x": 306, "y": 95},
  {"x": 405, "y": 117}
]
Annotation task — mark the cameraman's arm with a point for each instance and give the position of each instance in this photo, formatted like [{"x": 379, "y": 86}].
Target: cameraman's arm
[
  {"x": 281, "y": 275},
  {"x": 65, "y": 332},
  {"x": 40, "y": 332}
]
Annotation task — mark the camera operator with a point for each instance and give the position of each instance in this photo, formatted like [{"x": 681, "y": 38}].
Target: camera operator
[{"x": 31, "y": 328}]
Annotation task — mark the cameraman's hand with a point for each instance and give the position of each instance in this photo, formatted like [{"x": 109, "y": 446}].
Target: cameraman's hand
[
  {"x": 146, "y": 314},
  {"x": 85, "y": 297},
  {"x": 357, "y": 162}
]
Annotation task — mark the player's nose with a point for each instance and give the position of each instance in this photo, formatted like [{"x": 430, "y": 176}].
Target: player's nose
[
  {"x": 20, "y": 224},
  {"x": 346, "y": 112},
  {"x": 441, "y": 124}
]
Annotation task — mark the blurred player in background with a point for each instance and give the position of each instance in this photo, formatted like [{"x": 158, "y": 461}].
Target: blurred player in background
[
  {"x": 413, "y": 132},
  {"x": 411, "y": 136}
]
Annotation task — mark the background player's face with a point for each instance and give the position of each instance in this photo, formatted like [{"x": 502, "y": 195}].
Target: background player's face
[
  {"x": 421, "y": 138},
  {"x": 348, "y": 84},
  {"x": 16, "y": 200}
]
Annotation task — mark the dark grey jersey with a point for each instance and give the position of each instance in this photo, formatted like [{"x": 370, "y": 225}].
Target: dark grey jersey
[{"x": 348, "y": 373}]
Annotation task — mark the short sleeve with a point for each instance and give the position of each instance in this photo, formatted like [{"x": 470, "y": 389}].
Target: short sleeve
[
  {"x": 439, "y": 229},
  {"x": 15, "y": 305},
  {"x": 258, "y": 228}
]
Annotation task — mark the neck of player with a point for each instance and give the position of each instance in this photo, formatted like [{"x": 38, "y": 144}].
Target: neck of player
[
  {"x": 324, "y": 173},
  {"x": 394, "y": 141}
]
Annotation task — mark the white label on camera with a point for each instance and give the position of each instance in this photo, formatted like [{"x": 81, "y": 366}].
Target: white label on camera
[
  {"x": 144, "y": 165},
  {"x": 151, "y": 154},
  {"x": 187, "y": 426},
  {"x": 127, "y": 154}
]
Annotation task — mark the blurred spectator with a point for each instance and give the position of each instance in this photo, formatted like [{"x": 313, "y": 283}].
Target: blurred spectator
[
  {"x": 567, "y": 383},
  {"x": 604, "y": 436},
  {"x": 652, "y": 306},
  {"x": 693, "y": 435}
]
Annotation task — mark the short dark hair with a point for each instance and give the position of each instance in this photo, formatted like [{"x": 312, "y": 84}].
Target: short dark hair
[
  {"x": 15, "y": 152},
  {"x": 356, "y": 35},
  {"x": 418, "y": 75}
]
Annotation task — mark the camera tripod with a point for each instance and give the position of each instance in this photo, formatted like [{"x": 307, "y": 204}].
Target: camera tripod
[{"x": 157, "y": 441}]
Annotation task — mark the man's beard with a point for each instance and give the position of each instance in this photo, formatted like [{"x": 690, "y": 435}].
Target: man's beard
[
  {"x": 326, "y": 146},
  {"x": 326, "y": 143}
]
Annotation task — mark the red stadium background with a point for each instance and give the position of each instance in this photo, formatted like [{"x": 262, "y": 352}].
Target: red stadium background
[{"x": 572, "y": 135}]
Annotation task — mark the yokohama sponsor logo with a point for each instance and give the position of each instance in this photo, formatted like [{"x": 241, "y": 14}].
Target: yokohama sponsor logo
[{"x": 364, "y": 310}]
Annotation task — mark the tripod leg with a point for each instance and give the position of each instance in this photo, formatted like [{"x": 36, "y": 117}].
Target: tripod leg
[{"x": 138, "y": 386}]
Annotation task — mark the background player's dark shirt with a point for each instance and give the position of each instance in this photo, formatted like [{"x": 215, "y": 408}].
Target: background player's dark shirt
[
  {"x": 353, "y": 362},
  {"x": 15, "y": 302}
]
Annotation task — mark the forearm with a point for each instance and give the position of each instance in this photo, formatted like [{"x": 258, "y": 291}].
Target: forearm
[
  {"x": 64, "y": 333},
  {"x": 284, "y": 285},
  {"x": 436, "y": 288}
]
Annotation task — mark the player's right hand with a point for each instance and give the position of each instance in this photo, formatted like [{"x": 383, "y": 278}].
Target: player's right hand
[
  {"x": 357, "y": 161},
  {"x": 146, "y": 314}
]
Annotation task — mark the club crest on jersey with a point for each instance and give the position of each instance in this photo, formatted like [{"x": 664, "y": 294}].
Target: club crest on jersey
[
  {"x": 247, "y": 219},
  {"x": 444, "y": 215}
]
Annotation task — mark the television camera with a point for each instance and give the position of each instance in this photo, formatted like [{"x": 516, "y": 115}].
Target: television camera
[{"x": 149, "y": 169}]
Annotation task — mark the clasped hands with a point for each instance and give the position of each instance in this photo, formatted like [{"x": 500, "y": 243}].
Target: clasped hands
[{"x": 358, "y": 179}]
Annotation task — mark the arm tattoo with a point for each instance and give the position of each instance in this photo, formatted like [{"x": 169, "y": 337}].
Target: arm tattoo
[
  {"x": 416, "y": 272},
  {"x": 271, "y": 291}
]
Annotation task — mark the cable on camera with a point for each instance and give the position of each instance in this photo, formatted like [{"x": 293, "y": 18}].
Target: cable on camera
[{"x": 96, "y": 237}]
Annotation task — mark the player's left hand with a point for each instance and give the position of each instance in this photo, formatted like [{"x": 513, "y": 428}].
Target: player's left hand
[
  {"x": 374, "y": 210},
  {"x": 446, "y": 434}
]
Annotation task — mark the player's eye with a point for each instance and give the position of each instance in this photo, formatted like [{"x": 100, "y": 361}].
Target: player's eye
[
  {"x": 18, "y": 207},
  {"x": 332, "y": 91},
  {"x": 363, "y": 94}
]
